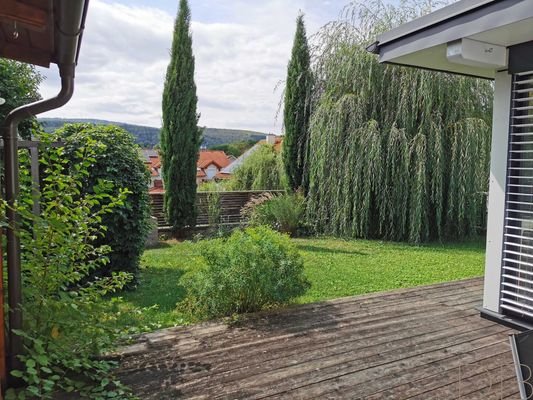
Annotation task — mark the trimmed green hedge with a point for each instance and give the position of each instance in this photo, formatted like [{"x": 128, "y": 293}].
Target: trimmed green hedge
[{"x": 118, "y": 160}]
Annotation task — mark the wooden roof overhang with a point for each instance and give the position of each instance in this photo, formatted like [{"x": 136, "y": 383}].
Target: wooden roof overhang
[{"x": 42, "y": 32}]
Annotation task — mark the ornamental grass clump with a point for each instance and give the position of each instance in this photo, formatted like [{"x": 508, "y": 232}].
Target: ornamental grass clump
[
  {"x": 284, "y": 213},
  {"x": 253, "y": 269}
]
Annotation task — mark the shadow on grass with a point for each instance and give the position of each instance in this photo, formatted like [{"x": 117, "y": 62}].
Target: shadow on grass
[
  {"x": 327, "y": 250},
  {"x": 160, "y": 245},
  {"x": 475, "y": 245},
  {"x": 159, "y": 287}
]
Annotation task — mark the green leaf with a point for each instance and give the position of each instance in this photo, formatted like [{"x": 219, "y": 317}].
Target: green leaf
[
  {"x": 42, "y": 359},
  {"x": 33, "y": 390},
  {"x": 17, "y": 373},
  {"x": 11, "y": 394}
]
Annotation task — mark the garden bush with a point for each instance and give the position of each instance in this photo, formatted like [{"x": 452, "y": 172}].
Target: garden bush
[
  {"x": 284, "y": 213},
  {"x": 253, "y": 269},
  {"x": 118, "y": 160},
  {"x": 66, "y": 323},
  {"x": 19, "y": 85},
  {"x": 212, "y": 186}
]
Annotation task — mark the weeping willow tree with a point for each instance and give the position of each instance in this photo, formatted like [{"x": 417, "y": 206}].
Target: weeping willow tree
[{"x": 395, "y": 153}]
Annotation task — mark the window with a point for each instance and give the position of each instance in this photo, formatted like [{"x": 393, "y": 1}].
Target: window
[{"x": 517, "y": 275}]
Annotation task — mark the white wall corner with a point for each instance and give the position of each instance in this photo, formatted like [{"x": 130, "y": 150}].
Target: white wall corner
[{"x": 496, "y": 201}]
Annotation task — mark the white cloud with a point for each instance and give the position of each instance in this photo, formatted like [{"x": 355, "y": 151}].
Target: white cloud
[{"x": 241, "y": 49}]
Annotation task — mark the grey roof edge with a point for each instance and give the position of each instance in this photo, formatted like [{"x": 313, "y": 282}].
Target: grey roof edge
[
  {"x": 493, "y": 14},
  {"x": 472, "y": 75},
  {"x": 229, "y": 169},
  {"x": 431, "y": 19}
]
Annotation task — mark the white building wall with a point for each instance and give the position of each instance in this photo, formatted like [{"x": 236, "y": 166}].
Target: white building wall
[
  {"x": 496, "y": 201},
  {"x": 211, "y": 171}
]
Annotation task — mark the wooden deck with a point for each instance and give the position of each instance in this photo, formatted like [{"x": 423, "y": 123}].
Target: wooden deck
[{"x": 421, "y": 343}]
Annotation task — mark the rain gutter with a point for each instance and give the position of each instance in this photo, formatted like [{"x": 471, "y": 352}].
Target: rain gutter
[{"x": 69, "y": 16}]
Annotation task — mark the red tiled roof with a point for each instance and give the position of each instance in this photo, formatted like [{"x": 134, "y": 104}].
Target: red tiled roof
[
  {"x": 157, "y": 190},
  {"x": 155, "y": 161},
  {"x": 205, "y": 158},
  {"x": 217, "y": 157},
  {"x": 153, "y": 164}
]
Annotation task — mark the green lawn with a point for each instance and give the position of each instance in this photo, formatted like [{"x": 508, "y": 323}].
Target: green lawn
[{"x": 335, "y": 267}]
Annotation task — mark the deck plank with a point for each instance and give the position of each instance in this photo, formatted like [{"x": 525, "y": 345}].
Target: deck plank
[
  {"x": 242, "y": 339},
  {"x": 328, "y": 375},
  {"x": 337, "y": 348},
  {"x": 404, "y": 344},
  {"x": 433, "y": 375},
  {"x": 269, "y": 328}
]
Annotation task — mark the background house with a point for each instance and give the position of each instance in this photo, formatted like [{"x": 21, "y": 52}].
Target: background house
[
  {"x": 210, "y": 163},
  {"x": 274, "y": 140},
  {"x": 200, "y": 176},
  {"x": 153, "y": 163}
]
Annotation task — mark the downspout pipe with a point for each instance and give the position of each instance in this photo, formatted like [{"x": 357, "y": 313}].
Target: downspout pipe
[{"x": 11, "y": 162}]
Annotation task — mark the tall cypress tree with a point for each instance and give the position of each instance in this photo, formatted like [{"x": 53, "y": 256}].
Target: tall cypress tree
[
  {"x": 180, "y": 135},
  {"x": 297, "y": 109}
]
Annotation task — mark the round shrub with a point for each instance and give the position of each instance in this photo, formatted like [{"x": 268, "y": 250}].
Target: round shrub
[
  {"x": 252, "y": 269},
  {"x": 119, "y": 161}
]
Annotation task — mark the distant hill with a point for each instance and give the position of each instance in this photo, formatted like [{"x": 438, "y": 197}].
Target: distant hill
[{"x": 148, "y": 136}]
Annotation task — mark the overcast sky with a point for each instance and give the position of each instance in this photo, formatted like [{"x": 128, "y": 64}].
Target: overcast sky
[{"x": 241, "y": 47}]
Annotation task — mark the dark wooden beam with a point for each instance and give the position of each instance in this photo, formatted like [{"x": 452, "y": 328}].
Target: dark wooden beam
[
  {"x": 25, "y": 54},
  {"x": 25, "y": 14},
  {"x": 32, "y": 144},
  {"x": 3, "y": 366}
]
